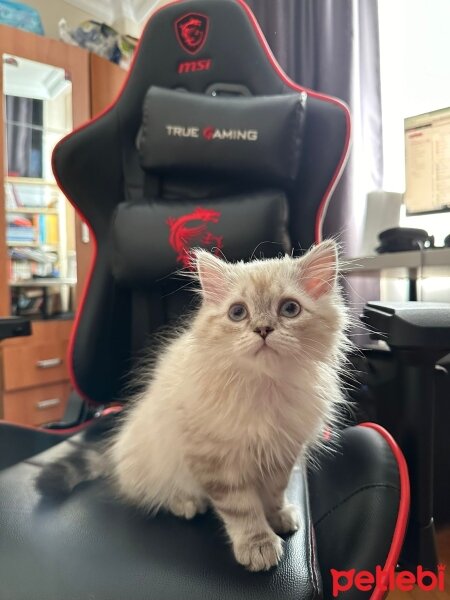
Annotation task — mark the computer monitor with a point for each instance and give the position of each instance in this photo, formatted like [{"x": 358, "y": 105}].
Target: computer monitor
[{"x": 427, "y": 154}]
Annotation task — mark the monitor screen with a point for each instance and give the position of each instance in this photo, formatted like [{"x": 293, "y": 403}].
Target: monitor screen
[{"x": 427, "y": 154}]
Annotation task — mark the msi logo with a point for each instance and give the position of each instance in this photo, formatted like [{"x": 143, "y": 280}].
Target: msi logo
[
  {"x": 192, "y": 31},
  {"x": 192, "y": 66},
  {"x": 185, "y": 234}
]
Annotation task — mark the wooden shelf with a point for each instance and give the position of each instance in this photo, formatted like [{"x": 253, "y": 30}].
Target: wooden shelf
[
  {"x": 23, "y": 244},
  {"x": 30, "y": 181},
  {"x": 41, "y": 210},
  {"x": 43, "y": 282},
  {"x": 45, "y": 247}
]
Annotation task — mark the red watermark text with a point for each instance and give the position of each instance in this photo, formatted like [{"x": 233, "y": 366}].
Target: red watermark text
[{"x": 404, "y": 581}]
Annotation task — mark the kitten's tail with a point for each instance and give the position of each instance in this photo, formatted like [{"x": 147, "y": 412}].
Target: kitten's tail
[{"x": 58, "y": 479}]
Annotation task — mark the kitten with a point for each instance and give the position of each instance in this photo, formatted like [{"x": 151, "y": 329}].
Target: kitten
[{"x": 235, "y": 400}]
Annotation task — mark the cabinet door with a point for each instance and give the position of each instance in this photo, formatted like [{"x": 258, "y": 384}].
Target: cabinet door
[
  {"x": 44, "y": 93},
  {"x": 106, "y": 80}
]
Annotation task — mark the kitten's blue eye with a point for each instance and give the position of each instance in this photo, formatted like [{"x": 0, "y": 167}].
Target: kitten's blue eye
[
  {"x": 237, "y": 312},
  {"x": 290, "y": 308}
]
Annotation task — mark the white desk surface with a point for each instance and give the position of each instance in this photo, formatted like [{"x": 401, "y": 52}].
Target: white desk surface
[{"x": 435, "y": 257}]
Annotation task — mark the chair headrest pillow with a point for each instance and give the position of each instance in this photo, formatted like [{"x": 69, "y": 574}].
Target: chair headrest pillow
[{"x": 256, "y": 138}]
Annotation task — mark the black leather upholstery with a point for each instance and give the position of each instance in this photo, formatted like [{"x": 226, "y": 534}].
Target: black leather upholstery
[
  {"x": 354, "y": 496},
  {"x": 91, "y": 546},
  {"x": 18, "y": 443}
]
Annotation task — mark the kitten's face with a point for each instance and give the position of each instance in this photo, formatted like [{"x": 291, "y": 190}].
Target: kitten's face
[{"x": 269, "y": 312}]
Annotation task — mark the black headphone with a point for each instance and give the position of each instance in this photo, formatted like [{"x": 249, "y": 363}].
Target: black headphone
[{"x": 404, "y": 239}]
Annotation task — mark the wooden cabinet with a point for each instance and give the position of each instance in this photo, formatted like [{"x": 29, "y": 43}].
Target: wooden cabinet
[
  {"x": 36, "y": 406},
  {"x": 69, "y": 86},
  {"x": 106, "y": 81},
  {"x": 35, "y": 378},
  {"x": 37, "y": 363}
]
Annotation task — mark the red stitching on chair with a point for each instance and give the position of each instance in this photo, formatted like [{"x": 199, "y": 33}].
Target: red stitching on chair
[{"x": 403, "y": 510}]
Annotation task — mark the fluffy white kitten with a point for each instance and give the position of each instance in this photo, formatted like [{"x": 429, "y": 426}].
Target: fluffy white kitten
[{"x": 236, "y": 399}]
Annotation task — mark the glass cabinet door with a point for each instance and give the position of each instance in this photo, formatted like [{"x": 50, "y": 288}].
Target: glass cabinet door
[{"x": 40, "y": 223}]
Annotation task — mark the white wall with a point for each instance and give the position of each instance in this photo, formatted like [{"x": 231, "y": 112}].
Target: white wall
[
  {"x": 52, "y": 11},
  {"x": 415, "y": 72},
  {"x": 427, "y": 65}
]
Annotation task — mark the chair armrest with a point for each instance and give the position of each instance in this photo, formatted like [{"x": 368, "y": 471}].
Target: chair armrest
[
  {"x": 14, "y": 327},
  {"x": 60, "y": 425},
  {"x": 409, "y": 325}
]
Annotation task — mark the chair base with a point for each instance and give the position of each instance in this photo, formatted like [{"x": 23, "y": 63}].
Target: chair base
[{"x": 420, "y": 547}]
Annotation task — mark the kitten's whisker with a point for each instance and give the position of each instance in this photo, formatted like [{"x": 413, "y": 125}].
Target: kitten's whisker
[{"x": 260, "y": 244}]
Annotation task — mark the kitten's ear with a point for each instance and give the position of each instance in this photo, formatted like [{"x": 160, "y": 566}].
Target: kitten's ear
[
  {"x": 318, "y": 269},
  {"x": 212, "y": 274}
]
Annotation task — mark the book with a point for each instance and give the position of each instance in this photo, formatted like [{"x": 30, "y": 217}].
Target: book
[{"x": 51, "y": 230}]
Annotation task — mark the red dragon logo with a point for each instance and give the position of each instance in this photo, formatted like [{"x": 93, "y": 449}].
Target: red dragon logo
[
  {"x": 182, "y": 237},
  {"x": 192, "y": 31}
]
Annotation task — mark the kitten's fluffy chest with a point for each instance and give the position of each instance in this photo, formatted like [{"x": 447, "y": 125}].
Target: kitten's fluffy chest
[{"x": 257, "y": 423}]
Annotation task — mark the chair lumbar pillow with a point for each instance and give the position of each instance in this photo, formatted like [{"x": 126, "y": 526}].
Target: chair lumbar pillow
[{"x": 237, "y": 226}]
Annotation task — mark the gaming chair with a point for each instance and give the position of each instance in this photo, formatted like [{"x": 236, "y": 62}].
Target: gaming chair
[{"x": 209, "y": 143}]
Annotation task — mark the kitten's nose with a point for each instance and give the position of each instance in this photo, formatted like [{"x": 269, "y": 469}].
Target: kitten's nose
[{"x": 263, "y": 331}]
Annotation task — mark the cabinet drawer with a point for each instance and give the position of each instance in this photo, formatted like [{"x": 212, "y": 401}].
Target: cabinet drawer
[
  {"x": 42, "y": 332},
  {"x": 37, "y": 405},
  {"x": 36, "y": 364}
]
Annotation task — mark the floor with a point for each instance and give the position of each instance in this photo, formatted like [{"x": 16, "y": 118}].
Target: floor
[{"x": 443, "y": 540}]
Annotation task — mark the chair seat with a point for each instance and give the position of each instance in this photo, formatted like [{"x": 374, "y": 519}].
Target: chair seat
[{"x": 90, "y": 545}]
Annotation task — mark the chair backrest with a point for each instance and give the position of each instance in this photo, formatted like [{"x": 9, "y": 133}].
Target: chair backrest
[{"x": 144, "y": 178}]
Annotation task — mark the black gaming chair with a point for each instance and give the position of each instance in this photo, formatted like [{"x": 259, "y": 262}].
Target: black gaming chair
[{"x": 209, "y": 143}]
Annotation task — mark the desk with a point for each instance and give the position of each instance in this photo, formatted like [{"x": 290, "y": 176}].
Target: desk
[{"x": 400, "y": 265}]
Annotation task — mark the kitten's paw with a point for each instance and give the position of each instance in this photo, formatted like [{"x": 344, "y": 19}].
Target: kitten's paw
[
  {"x": 187, "y": 507},
  {"x": 285, "y": 520},
  {"x": 259, "y": 552}
]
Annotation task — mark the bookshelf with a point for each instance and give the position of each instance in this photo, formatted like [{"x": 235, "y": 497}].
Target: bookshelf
[
  {"x": 40, "y": 224},
  {"x": 39, "y": 232}
]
